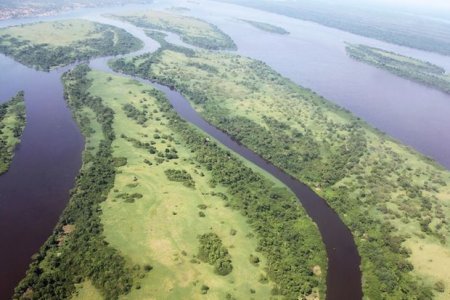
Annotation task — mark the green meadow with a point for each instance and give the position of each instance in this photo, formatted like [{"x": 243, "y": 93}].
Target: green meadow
[{"x": 47, "y": 45}]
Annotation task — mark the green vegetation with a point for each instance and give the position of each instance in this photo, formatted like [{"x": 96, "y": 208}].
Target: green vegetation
[
  {"x": 132, "y": 233},
  {"x": 394, "y": 200},
  {"x": 400, "y": 28},
  {"x": 213, "y": 252},
  {"x": 162, "y": 228},
  {"x": 192, "y": 31},
  {"x": 12, "y": 123},
  {"x": 180, "y": 176},
  {"x": 77, "y": 249},
  {"x": 408, "y": 67},
  {"x": 52, "y": 44},
  {"x": 267, "y": 27}
]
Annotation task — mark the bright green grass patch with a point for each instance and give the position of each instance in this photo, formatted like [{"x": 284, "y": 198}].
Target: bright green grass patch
[
  {"x": 161, "y": 228},
  {"x": 51, "y": 44},
  {"x": 385, "y": 192},
  {"x": 12, "y": 124},
  {"x": 191, "y": 30},
  {"x": 86, "y": 291}
]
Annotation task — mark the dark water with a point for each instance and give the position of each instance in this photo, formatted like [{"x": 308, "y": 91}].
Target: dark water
[{"x": 35, "y": 190}]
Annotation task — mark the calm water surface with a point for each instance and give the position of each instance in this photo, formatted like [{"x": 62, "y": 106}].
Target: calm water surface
[{"x": 35, "y": 189}]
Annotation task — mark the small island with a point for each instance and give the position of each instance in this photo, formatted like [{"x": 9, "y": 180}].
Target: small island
[
  {"x": 267, "y": 27},
  {"x": 12, "y": 124},
  {"x": 403, "y": 66},
  {"x": 48, "y": 45},
  {"x": 191, "y": 30}
]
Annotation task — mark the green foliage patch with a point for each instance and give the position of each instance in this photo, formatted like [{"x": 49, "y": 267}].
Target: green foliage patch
[{"x": 12, "y": 124}]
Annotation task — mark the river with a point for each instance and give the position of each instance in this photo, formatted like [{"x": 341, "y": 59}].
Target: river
[{"x": 35, "y": 190}]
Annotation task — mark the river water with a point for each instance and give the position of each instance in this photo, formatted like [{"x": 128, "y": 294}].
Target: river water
[{"x": 35, "y": 190}]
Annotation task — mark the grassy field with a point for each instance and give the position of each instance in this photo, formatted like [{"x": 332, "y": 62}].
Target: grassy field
[
  {"x": 407, "y": 67},
  {"x": 12, "y": 124},
  {"x": 267, "y": 27},
  {"x": 146, "y": 223},
  {"x": 162, "y": 228},
  {"x": 191, "y": 30},
  {"x": 48, "y": 45},
  {"x": 394, "y": 200}
]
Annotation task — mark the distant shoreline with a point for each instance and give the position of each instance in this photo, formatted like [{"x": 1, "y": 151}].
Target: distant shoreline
[{"x": 31, "y": 11}]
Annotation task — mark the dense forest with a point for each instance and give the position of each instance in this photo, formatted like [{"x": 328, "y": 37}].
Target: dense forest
[
  {"x": 407, "y": 67},
  {"x": 12, "y": 124},
  {"x": 102, "y": 40},
  {"x": 386, "y": 25},
  {"x": 388, "y": 195}
]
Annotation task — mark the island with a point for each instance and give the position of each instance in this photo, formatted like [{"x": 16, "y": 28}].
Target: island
[
  {"x": 48, "y": 45},
  {"x": 12, "y": 124},
  {"x": 160, "y": 210},
  {"x": 266, "y": 27},
  {"x": 394, "y": 200},
  {"x": 385, "y": 24},
  {"x": 403, "y": 66},
  {"x": 192, "y": 31}
]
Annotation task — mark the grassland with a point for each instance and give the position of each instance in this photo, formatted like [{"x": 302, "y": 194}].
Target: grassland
[
  {"x": 395, "y": 201},
  {"x": 407, "y": 67},
  {"x": 267, "y": 27},
  {"x": 52, "y": 44},
  {"x": 157, "y": 184},
  {"x": 191, "y": 30},
  {"x": 12, "y": 124}
]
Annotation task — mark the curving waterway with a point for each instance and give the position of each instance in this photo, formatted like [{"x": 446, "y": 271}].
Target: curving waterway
[
  {"x": 36, "y": 189},
  {"x": 344, "y": 275}
]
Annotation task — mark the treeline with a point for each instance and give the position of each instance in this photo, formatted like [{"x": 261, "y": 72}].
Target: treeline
[
  {"x": 407, "y": 67},
  {"x": 83, "y": 254},
  {"x": 351, "y": 166},
  {"x": 12, "y": 124},
  {"x": 113, "y": 41},
  {"x": 286, "y": 236}
]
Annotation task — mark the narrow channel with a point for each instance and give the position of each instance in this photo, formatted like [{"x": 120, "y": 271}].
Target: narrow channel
[{"x": 344, "y": 275}]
